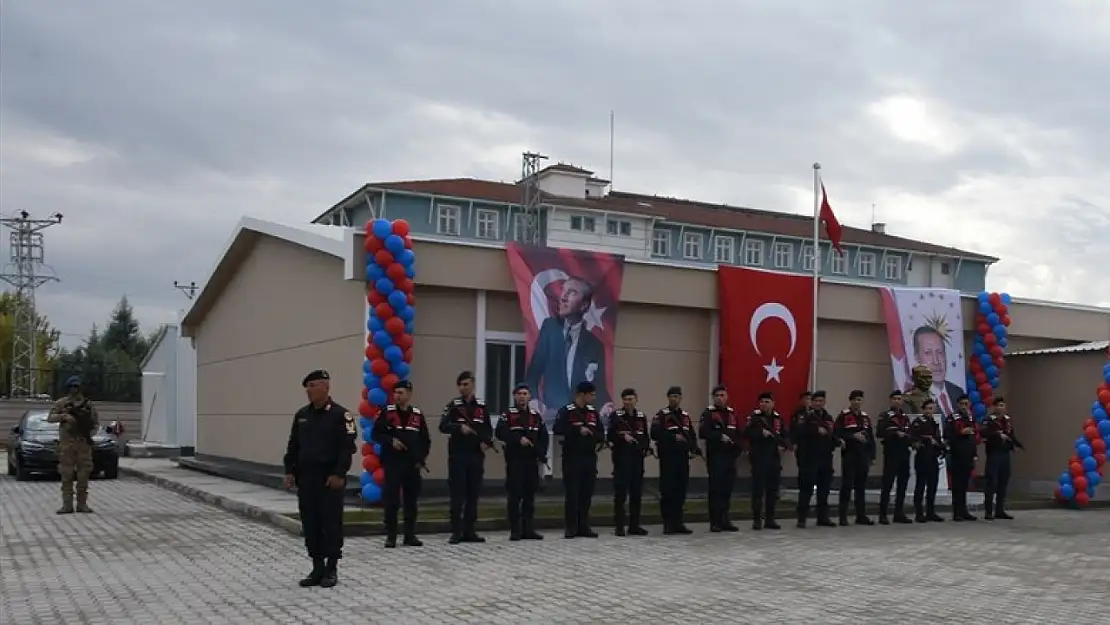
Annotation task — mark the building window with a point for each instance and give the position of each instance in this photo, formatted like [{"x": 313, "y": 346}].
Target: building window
[
  {"x": 618, "y": 228},
  {"x": 866, "y": 265},
  {"x": 945, "y": 269},
  {"x": 505, "y": 364},
  {"x": 447, "y": 219},
  {"x": 753, "y": 253},
  {"x": 838, "y": 263},
  {"x": 808, "y": 258},
  {"x": 583, "y": 223},
  {"x": 784, "y": 255},
  {"x": 892, "y": 269},
  {"x": 691, "y": 245},
  {"x": 723, "y": 251},
  {"x": 661, "y": 242},
  {"x": 521, "y": 232},
  {"x": 487, "y": 224}
]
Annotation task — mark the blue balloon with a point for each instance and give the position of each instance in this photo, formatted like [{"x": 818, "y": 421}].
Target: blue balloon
[
  {"x": 1100, "y": 415},
  {"x": 410, "y": 272},
  {"x": 374, "y": 273},
  {"x": 1083, "y": 450},
  {"x": 986, "y": 360},
  {"x": 974, "y": 396},
  {"x": 365, "y": 367},
  {"x": 377, "y": 397},
  {"x": 397, "y": 300},
  {"x": 1090, "y": 491},
  {"x": 366, "y": 423},
  {"x": 985, "y": 308},
  {"x": 409, "y": 327},
  {"x": 1106, "y": 373},
  {"x": 1067, "y": 491},
  {"x": 382, "y": 339},
  {"x": 405, "y": 257},
  {"x": 384, "y": 286},
  {"x": 1065, "y": 478},
  {"x": 394, "y": 355},
  {"x": 401, "y": 369},
  {"x": 394, "y": 244},
  {"x": 371, "y": 493},
  {"x": 1104, "y": 428},
  {"x": 984, "y": 297},
  {"x": 366, "y": 435},
  {"x": 995, "y": 383},
  {"x": 1095, "y": 405},
  {"x": 407, "y": 313},
  {"x": 1079, "y": 442},
  {"x": 980, "y": 410},
  {"x": 377, "y": 449},
  {"x": 382, "y": 228},
  {"x": 1006, "y": 299},
  {"x": 993, "y": 319},
  {"x": 365, "y": 478},
  {"x": 999, "y": 331},
  {"x": 1090, "y": 464},
  {"x": 1003, "y": 342},
  {"x": 978, "y": 348},
  {"x": 371, "y": 381},
  {"x": 992, "y": 371},
  {"x": 374, "y": 324}
]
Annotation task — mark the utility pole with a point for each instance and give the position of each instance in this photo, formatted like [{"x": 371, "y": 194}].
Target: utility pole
[
  {"x": 528, "y": 230},
  {"x": 190, "y": 290},
  {"x": 26, "y": 272}
]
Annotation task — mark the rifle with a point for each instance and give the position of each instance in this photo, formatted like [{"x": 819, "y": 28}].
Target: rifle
[
  {"x": 491, "y": 445},
  {"x": 82, "y": 415}
]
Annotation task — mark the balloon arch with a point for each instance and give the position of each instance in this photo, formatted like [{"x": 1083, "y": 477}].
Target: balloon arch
[
  {"x": 1087, "y": 465},
  {"x": 988, "y": 350}
]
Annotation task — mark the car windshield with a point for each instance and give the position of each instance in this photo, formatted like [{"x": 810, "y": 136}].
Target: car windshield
[{"x": 36, "y": 422}]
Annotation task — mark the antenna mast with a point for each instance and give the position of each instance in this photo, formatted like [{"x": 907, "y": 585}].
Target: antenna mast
[
  {"x": 528, "y": 224},
  {"x": 190, "y": 290}
]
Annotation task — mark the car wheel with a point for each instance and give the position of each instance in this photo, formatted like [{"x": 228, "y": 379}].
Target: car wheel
[
  {"x": 21, "y": 474},
  {"x": 111, "y": 473}
]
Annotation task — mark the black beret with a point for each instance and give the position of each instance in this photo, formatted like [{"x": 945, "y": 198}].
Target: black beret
[
  {"x": 674, "y": 390},
  {"x": 520, "y": 387},
  {"x": 463, "y": 377},
  {"x": 818, "y": 394},
  {"x": 895, "y": 393},
  {"x": 628, "y": 392},
  {"x": 963, "y": 398},
  {"x": 718, "y": 389},
  {"x": 856, "y": 394},
  {"x": 403, "y": 384},
  {"x": 585, "y": 387},
  {"x": 765, "y": 395},
  {"x": 805, "y": 394},
  {"x": 998, "y": 400},
  {"x": 315, "y": 376}
]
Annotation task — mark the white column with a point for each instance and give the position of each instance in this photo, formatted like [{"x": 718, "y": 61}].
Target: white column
[
  {"x": 480, "y": 344},
  {"x": 714, "y": 349}
]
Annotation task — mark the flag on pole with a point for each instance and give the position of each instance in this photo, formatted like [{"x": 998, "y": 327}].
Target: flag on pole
[{"x": 832, "y": 225}]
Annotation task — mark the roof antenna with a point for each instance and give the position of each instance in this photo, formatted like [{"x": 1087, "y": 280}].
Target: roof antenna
[{"x": 612, "y": 135}]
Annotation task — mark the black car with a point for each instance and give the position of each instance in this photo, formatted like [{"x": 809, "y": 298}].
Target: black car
[{"x": 33, "y": 448}]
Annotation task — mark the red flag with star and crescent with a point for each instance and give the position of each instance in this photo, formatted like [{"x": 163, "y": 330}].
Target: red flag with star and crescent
[
  {"x": 569, "y": 300},
  {"x": 766, "y": 335}
]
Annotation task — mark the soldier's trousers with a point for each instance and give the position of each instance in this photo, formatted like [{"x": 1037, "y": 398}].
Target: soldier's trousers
[
  {"x": 722, "y": 481},
  {"x": 464, "y": 480},
  {"x": 579, "y": 478},
  {"x": 896, "y": 472},
  {"x": 766, "y": 475},
  {"x": 962, "y": 466},
  {"x": 522, "y": 480},
  {"x": 75, "y": 460},
  {"x": 927, "y": 470},
  {"x": 816, "y": 474},
  {"x": 997, "y": 480},
  {"x": 628, "y": 486},
  {"x": 854, "y": 467},
  {"x": 674, "y": 478},
  {"x": 402, "y": 489},
  {"x": 321, "y": 510}
]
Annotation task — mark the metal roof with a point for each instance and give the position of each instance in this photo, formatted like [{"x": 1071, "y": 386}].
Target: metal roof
[{"x": 1093, "y": 346}]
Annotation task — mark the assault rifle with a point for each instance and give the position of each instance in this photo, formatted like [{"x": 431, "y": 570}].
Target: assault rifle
[{"x": 81, "y": 411}]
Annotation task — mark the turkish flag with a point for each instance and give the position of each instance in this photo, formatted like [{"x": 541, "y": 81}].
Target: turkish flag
[
  {"x": 832, "y": 224},
  {"x": 766, "y": 335}
]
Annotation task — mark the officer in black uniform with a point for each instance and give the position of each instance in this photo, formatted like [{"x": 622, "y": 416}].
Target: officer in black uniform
[
  {"x": 1000, "y": 441},
  {"x": 675, "y": 441},
  {"x": 963, "y": 443},
  {"x": 317, "y": 459},
  {"x": 853, "y": 427},
  {"x": 929, "y": 449},
  {"x": 627, "y": 435},
  {"x": 894, "y": 430},
  {"x": 524, "y": 434},
  {"x": 816, "y": 444},
  {"x": 797, "y": 418},
  {"x": 766, "y": 435},
  {"x": 720, "y": 428},
  {"x": 583, "y": 433},
  {"x": 403, "y": 434},
  {"x": 470, "y": 433}
]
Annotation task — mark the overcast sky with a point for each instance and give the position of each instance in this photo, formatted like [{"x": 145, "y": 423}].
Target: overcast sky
[{"x": 153, "y": 126}]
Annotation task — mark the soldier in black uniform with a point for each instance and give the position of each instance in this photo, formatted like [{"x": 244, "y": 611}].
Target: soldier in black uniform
[
  {"x": 853, "y": 427},
  {"x": 524, "y": 434},
  {"x": 580, "y": 426},
  {"x": 929, "y": 449},
  {"x": 317, "y": 459},
  {"x": 963, "y": 442},
  {"x": 629, "y": 444},
  {"x": 766, "y": 434},
  {"x": 894, "y": 430},
  {"x": 468, "y": 425},
  {"x": 721, "y": 430},
  {"x": 816, "y": 443},
  {"x": 1000, "y": 441},
  {"x": 675, "y": 441},
  {"x": 796, "y": 420},
  {"x": 403, "y": 434}
]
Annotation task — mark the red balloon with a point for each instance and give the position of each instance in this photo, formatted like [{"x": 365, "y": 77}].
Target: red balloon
[
  {"x": 383, "y": 310},
  {"x": 1074, "y": 459},
  {"x": 1098, "y": 446},
  {"x": 371, "y": 463},
  {"x": 373, "y": 244},
  {"x": 1104, "y": 395},
  {"x": 404, "y": 341},
  {"x": 379, "y": 477},
  {"x": 367, "y": 449},
  {"x": 1058, "y": 495},
  {"x": 1090, "y": 423},
  {"x": 995, "y": 299},
  {"x": 1091, "y": 433},
  {"x": 395, "y": 272},
  {"x": 1000, "y": 362},
  {"x": 369, "y": 227},
  {"x": 383, "y": 258},
  {"x": 996, "y": 351},
  {"x": 395, "y": 326},
  {"x": 1005, "y": 320},
  {"x": 408, "y": 356},
  {"x": 375, "y": 298},
  {"x": 983, "y": 328},
  {"x": 1001, "y": 309},
  {"x": 976, "y": 366},
  {"x": 373, "y": 352},
  {"x": 1080, "y": 482},
  {"x": 1100, "y": 457},
  {"x": 401, "y": 228},
  {"x": 405, "y": 286},
  {"x": 1081, "y": 499},
  {"x": 411, "y": 299},
  {"x": 365, "y": 393},
  {"x": 408, "y": 242},
  {"x": 985, "y": 390},
  {"x": 990, "y": 339},
  {"x": 379, "y": 367},
  {"x": 981, "y": 377},
  {"x": 391, "y": 380},
  {"x": 1076, "y": 471},
  {"x": 365, "y": 409}
]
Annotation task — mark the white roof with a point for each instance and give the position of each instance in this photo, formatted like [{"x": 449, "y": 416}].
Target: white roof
[{"x": 1093, "y": 346}]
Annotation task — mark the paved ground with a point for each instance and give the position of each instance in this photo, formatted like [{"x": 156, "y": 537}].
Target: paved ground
[{"x": 151, "y": 557}]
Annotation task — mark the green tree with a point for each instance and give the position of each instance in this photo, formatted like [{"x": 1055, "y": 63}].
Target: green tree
[
  {"x": 109, "y": 360},
  {"x": 46, "y": 342},
  {"x": 123, "y": 332}
]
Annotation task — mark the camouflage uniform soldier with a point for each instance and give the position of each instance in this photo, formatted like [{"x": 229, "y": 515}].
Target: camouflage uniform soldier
[{"x": 79, "y": 420}]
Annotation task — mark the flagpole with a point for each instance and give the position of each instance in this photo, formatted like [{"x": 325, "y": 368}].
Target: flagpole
[{"x": 816, "y": 267}]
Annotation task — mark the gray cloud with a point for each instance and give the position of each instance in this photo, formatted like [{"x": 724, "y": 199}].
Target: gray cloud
[{"x": 154, "y": 126}]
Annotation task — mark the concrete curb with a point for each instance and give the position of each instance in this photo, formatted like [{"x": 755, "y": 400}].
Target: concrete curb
[{"x": 239, "y": 508}]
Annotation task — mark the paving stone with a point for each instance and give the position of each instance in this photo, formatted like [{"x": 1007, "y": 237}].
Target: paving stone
[{"x": 150, "y": 556}]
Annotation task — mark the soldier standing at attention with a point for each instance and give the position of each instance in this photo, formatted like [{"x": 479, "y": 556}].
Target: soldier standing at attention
[
  {"x": 629, "y": 443},
  {"x": 853, "y": 427},
  {"x": 929, "y": 447},
  {"x": 796, "y": 421},
  {"x": 766, "y": 434},
  {"x": 1000, "y": 442},
  {"x": 467, "y": 423},
  {"x": 961, "y": 434},
  {"x": 582, "y": 432},
  {"x": 402, "y": 432},
  {"x": 317, "y": 459},
  {"x": 815, "y": 445},
  {"x": 525, "y": 436},
  {"x": 676, "y": 440},
  {"x": 78, "y": 421},
  {"x": 720, "y": 428},
  {"x": 894, "y": 429}
]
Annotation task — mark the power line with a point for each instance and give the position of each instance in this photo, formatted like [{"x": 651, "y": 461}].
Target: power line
[
  {"x": 26, "y": 272},
  {"x": 190, "y": 290}
]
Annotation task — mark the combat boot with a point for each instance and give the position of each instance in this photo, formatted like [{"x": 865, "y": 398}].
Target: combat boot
[
  {"x": 316, "y": 576},
  {"x": 331, "y": 573},
  {"x": 83, "y": 503},
  {"x": 67, "y": 507}
]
